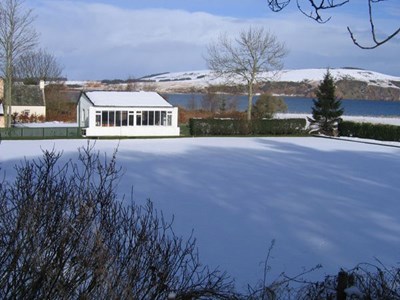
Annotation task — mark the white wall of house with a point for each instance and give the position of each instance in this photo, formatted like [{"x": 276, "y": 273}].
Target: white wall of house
[
  {"x": 82, "y": 111},
  {"x": 31, "y": 110}
]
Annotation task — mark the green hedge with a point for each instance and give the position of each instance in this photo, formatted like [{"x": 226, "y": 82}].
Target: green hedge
[
  {"x": 43, "y": 132},
  {"x": 210, "y": 127},
  {"x": 370, "y": 131}
]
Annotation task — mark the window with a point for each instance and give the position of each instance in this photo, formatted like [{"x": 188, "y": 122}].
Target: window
[
  {"x": 111, "y": 118},
  {"x": 131, "y": 117},
  {"x": 127, "y": 118},
  {"x": 98, "y": 118},
  {"x": 163, "y": 118},
  {"x": 145, "y": 118},
  {"x": 124, "y": 118},
  {"x": 151, "y": 118},
  {"x": 157, "y": 118},
  {"x": 169, "y": 120},
  {"x": 118, "y": 118},
  {"x": 104, "y": 116}
]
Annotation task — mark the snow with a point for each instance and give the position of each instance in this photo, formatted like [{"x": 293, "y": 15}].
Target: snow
[
  {"x": 133, "y": 99},
  {"x": 358, "y": 119},
  {"x": 204, "y": 77},
  {"x": 46, "y": 124},
  {"x": 354, "y": 291},
  {"x": 324, "y": 201}
]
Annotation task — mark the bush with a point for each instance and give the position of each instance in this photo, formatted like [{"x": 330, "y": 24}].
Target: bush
[
  {"x": 267, "y": 105},
  {"x": 64, "y": 235},
  {"x": 370, "y": 131},
  {"x": 210, "y": 127}
]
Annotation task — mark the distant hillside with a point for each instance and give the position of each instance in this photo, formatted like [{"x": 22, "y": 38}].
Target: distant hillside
[{"x": 351, "y": 83}]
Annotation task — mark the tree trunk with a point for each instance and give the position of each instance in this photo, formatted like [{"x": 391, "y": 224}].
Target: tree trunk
[
  {"x": 250, "y": 103},
  {"x": 8, "y": 91}
]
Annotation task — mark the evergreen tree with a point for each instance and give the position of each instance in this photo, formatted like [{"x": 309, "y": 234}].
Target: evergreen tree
[{"x": 327, "y": 108}]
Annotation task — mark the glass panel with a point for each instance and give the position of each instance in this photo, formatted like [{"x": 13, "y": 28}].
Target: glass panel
[
  {"x": 151, "y": 118},
  {"x": 118, "y": 118},
  {"x": 111, "y": 118},
  {"x": 124, "y": 118},
  {"x": 98, "y": 119},
  {"x": 105, "y": 118},
  {"x": 157, "y": 120},
  {"x": 145, "y": 115},
  {"x": 139, "y": 118},
  {"x": 131, "y": 120},
  {"x": 163, "y": 118},
  {"x": 169, "y": 122}
]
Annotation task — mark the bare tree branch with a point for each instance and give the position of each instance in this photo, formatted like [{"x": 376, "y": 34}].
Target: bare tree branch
[
  {"x": 34, "y": 66},
  {"x": 65, "y": 235},
  {"x": 318, "y": 6},
  {"x": 376, "y": 41},
  {"x": 247, "y": 57}
]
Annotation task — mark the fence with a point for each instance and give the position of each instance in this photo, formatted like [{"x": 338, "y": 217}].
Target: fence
[{"x": 45, "y": 132}]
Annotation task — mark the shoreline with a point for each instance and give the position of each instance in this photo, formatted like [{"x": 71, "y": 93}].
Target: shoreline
[{"x": 360, "y": 119}]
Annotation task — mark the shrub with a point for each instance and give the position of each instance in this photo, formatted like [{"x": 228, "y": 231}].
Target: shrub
[
  {"x": 267, "y": 105},
  {"x": 64, "y": 235},
  {"x": 370, "y": 131},
  {"x": 210, "y": 127}
]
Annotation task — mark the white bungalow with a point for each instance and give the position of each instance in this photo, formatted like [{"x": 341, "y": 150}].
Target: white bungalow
[{"x": 107, "y": 113}]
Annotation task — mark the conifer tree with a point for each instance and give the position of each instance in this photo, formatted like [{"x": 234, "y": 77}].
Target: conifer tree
[{"x": 327, "y": 108}]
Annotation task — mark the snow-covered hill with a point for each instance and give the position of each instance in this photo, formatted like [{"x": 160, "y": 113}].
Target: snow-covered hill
[
  {"x": 208, "y": 77},
  {"x": 351, "y": 83}
]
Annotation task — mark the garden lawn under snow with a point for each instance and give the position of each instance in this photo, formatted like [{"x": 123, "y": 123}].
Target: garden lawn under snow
[{"x": 323, "y": 201}]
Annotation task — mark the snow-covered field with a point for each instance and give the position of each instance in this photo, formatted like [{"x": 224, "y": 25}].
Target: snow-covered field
[{"x": 328, "y": 202}]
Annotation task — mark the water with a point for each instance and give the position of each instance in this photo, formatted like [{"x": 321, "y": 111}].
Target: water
[{"x": 303, "y": 105}]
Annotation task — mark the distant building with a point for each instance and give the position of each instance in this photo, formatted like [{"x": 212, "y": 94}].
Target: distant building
[
  {"x": 26, "y": 99},
  {"x": 108, "y": 113}
]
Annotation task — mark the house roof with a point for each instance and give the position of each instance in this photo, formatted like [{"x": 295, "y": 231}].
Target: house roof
[
  {"x": 125, "y": 99},
  {"x": 27, "y": 95}
]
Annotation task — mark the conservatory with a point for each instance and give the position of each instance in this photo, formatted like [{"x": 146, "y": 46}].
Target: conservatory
[{"x": 109, "y": 113}]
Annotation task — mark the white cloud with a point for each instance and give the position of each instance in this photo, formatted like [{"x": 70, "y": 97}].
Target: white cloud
[{"x": 104, "y": 41}]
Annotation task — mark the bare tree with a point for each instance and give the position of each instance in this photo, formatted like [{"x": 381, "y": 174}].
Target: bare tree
[
  {"x": 65, "y": 235},
  {"x": 247, "y": 57},
  {"x": 17, "y": 36},
  {"x": 34, "y": 66},
  {"x": 316, "y": 7}
]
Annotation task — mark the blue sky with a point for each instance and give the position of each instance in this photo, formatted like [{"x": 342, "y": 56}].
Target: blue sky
[{"x": 98, "y": 39}]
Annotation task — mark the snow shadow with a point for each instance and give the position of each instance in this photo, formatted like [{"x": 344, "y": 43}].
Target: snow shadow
[
  {"x": 324, "y": 202},
  {"x": 337, "y": 208}
]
